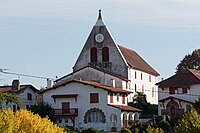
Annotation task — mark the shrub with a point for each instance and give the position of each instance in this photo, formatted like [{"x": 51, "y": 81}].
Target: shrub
[
  {"x": 135, "y": 130},
  {"x": 91, "y": 130},
  {"x": 154, "y": 130},
  {"x": 166, "y": 127},
  {"x": 24, "y": 121},
  {"x": 125, "y": 130}
]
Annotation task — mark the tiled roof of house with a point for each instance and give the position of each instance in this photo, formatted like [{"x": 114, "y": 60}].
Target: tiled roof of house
[
  {"x": 8, "y": 89},
  {"x": 136, "y": 62},
  {"x": 181, "y": 79},
  {"x": 126, "y": 108},
  {"x": 171, "y": 97},
  {"x": 95, "y": 84}
]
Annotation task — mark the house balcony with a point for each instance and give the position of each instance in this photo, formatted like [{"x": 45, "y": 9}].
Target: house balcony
[{"x": 72, "y": 112}]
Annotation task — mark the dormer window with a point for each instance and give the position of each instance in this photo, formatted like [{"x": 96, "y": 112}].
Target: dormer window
[
  {"x": 105, "y": 54},
  {"x": 93, "y": 54}
]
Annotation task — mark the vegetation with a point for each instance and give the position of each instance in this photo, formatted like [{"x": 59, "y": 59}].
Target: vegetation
[
  {"x": 165, "y": 126},
  {"x": 6, "y": 98},
  {"x": 151, "y": 129},
  {"x": 42, "y": 109},
  {"x": 191, "y": 61},
  {"x": 140, "y": 101},
  {"x": 189, "y": 123},
  {"x": 91, "y": 130},
  {"x": 125, "y": 130},
  {"x": 23, "y": 121}
]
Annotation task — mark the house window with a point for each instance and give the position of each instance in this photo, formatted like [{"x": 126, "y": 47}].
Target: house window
[
  {"x": 93, "y": 54},
  {"x": 123, "y": 99},
  {"x": 172, "y": 90},
  {"x": 105, "y": 54},
  {"x": 135, "y": 87},
  {"x": 135, "y": 74},
  {"x": 111, "y": 97},
  {"x": 66, "y": 120},
  {"x": 149, "y": 78},
  {"x": 184, "y": 90},
  {"x": 141, "y": 76},
  {"x": 152, "y": 91},
  {"x": 113, "y": 118},
  {"x": 94, "y": 115},
  {"x": 142, "y": 88},
  {"x": 14, "y": 108},
  {"x": 29, "y": 96},
  {"x": 94, "y": 98}
]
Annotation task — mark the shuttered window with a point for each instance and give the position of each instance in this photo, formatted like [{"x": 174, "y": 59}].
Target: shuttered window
[
  {"x": 105, "y": 54},
  {"x": 111, "y": 97},
  {"x": 94, "y": 98},
  {"x": 93, "y": 54}
]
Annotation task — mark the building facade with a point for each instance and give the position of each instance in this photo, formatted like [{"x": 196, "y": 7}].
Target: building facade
[
  {"x": 27, "y": 94},
  {"x": 102, "y": 57},
  {"x": 178, "y": 92}
]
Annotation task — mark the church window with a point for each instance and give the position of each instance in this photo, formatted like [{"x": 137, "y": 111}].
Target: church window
[
  {"x": 105, "y": 54},
  {"x": 93, "y": 54}
]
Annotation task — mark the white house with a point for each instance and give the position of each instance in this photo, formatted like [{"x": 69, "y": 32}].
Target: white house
[
  {"x": 102, "y": 60},
  {"x": 26, "y": 93},
  {"x": 83, "y": 104},
  {"x": 178, "y": 92}
]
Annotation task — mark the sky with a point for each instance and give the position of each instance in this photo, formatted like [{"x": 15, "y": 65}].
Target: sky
[{"x": 45, "y": 37}]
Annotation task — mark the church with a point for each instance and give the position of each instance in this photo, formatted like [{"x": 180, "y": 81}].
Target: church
[{"x": 105, "y": 78}]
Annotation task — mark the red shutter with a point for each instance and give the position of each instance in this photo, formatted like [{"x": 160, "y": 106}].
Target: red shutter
[
  {"x": 111, "y": 97},
  {"x": 123, "y": 99},
  {"x": 94, "y": 98},
  {"x": 184, "y": 89},
  {"x": 105, "y": 54},
  {"x": 172, "y": 90},
  {"x": 93, "y": 54}
]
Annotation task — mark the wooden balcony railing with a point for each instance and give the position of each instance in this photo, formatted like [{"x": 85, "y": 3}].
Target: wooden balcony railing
[{"x": 65, "y": 112}]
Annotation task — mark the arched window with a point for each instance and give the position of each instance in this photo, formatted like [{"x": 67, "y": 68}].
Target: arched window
[
  {"x": 105, "y": 54},
  {"x": 94, "y": 115},
  {"x": 93, "y": 54},
  {"x": 113, "y": 118}
]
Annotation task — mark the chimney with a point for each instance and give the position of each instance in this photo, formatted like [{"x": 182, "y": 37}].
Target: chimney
[
  {"x": 113, "y": 83},
  {"x": 49, "y": 83},
  {"x": 15, "y": 85}
]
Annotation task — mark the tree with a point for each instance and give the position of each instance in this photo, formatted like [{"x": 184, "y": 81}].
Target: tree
[
  {"x": 190, "y": 61},
  {"x": 6, "y": 98},
  {"x": 189, "y": 123},
  {"x": 140, "y": 98},
  {"x": 42, "y": 109},
  {"x": 23, "y": 121},
  {"x": 165, "y": 126}
]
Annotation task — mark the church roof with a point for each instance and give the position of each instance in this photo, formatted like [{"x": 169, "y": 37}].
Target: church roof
[
  {"x": 136, "y": 62},
  {"x": 185, "y": 78}
]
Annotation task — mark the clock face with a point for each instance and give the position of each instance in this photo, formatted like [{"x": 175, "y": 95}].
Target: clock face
[{"x": 99, "y": 38}]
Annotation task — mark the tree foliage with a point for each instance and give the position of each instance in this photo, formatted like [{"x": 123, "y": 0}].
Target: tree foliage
[
  {"x": 140, "y": 101},
  {"x": 190, "y": 61},
  {"x": 42, "y": 109},
  {"x": 189, "y": 123},
  {"x": 165, "y": 126},
  {"x": 6, "y": 98},
  {"x": 23, "y": 121},
  {"x": 151, "y": 129}
]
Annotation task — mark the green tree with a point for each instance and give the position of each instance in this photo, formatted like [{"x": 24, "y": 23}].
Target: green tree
[
  {"x": 42, "y": 109},
  {"x": 189, "y": 123},
  {"x": 190, "y": 61},
  {"x": 6, "y": 98},
  {"x": 154, "y": 130},
  {"x": 165, "y": 126}
]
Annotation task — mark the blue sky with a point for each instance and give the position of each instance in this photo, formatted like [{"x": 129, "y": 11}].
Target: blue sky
[{"x": 45, "y": 37}]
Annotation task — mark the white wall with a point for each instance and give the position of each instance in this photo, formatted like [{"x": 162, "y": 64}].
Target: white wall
[{"x": 143, "y": 85}]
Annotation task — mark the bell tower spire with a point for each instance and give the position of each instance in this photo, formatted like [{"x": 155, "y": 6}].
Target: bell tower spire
[{"x": 100, "y": 20}]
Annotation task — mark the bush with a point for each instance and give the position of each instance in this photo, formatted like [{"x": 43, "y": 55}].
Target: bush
[
  {"x": 23, "y": 121},
  {"x": 135, "y": 130},
  {"x": 125, "y": 130},
  {"x": 154, "y": 130},
  {"x": 91, "y": 130},
  {"x": 166, "y": 127}
]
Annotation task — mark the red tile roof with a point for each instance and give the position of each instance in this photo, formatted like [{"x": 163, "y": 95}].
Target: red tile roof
[
  {"x": 171, "y": 97},
  {"x": 95, "y": 84},
  {"x": 126, "y": 108},
  {"x": 184, "y": 78},
  {"x": 136, "y": 62},
  {"x": 22, "y": 87}
]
